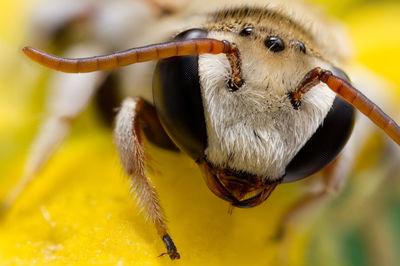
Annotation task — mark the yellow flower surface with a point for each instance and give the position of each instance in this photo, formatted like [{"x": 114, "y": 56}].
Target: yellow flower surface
[{"x": 79, "y": 210}]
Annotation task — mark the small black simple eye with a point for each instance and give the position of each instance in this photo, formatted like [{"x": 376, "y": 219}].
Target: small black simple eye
[
  {"x": 246, "y": 32},
  {"x": 274, "y": 44},
  {"x": 301, "y": 46}
]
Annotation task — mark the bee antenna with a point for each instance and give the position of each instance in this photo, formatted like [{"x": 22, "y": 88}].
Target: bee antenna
[
  {"x": 127, "y": 57},
  {"x": 352, "y": 96}
]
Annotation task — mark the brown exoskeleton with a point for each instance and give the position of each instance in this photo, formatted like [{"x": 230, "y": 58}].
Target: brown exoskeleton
[{"x": 255, "y": 96}]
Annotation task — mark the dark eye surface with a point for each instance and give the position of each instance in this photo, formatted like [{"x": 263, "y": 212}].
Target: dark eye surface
[
  {"x": 301, "y": 46},
  {"x": 326, "y": 143},
  {"x": 274, "y": 44},
  {"x": 178, "y": 101},
  {"x": 246, "y": 31}
]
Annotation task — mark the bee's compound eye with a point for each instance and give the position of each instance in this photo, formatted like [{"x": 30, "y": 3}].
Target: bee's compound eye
[
  {"x": 178, "y": 101},
  {"x": 191, "y": 34},
  {"x": 274, "y": 44},
  {"x": 246, "y": 31},
  {"x": 326, "y": 143}
]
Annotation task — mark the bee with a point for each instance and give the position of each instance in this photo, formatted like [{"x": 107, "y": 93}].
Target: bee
[{"x": 252, "y": 93}]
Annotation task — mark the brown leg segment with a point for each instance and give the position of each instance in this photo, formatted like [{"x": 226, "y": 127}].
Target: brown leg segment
[{"x": 133, "y": 115}]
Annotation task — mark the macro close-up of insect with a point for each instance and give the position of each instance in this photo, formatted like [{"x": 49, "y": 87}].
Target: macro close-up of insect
[{"x": 256, "y": 95}]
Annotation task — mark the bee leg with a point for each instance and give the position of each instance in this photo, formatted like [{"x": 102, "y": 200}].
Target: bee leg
[
  {"x": 334, "y": 176},
  {"x": 134, "y": 115},
  {"x": 70, "y": 94}
]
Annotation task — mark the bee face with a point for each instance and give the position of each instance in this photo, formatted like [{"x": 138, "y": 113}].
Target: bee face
[
  {"x": 257, "y": 125},
  {"x": 256, "y": 129},
  {"x": 253, "y": 130}
]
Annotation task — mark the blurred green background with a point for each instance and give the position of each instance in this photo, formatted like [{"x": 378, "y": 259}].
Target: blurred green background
[{"x": 360, "y": 227}]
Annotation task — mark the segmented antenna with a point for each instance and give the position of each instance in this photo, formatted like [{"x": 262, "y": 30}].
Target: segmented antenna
[
  {"x": 352, "y": 96},
  {"x": 131, "y": 56}
]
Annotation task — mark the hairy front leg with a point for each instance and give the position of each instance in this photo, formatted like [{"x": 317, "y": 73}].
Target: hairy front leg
[{"x": 135, "y": 114}]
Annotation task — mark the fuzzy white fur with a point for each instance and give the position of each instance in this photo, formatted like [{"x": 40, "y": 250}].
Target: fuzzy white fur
[
  {"x": 256, "y": 129},
  {"x": 132, "y": 156}
]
